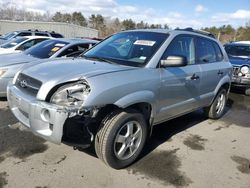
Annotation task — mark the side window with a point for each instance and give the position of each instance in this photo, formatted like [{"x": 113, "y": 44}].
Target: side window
[
  {"x": 41, "y": 34},
  {"x": 181, "y": 46},
  {"x": 36, "y": 41},
  {"x": 73, "y": 50},
  {"x": 24, "y": 34},
  {"x": 56, "y": 35},
  {"x": 219, "y": 56},
  {"x": 205, "y": 51},
  {"x": 69, "y": 50},
  {"x": 26, "y": 45}
]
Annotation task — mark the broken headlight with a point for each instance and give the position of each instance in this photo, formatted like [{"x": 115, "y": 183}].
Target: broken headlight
[{"x": 71, "y": 95}]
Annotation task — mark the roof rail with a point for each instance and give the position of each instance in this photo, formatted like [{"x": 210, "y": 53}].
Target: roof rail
[{"x": 197, "y": 31}]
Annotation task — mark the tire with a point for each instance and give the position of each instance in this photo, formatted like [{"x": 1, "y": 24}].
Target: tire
[
  {"x": 247, "y": 91},
  {"x": 217, "y": 108},
  {"x": 121, "y": 138}
]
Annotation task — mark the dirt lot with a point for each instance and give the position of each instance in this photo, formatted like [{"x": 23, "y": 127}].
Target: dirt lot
[{"x": 189, "y": 151}]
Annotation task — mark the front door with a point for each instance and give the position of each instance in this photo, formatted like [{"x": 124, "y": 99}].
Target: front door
[{"x": 180, "y": 86}]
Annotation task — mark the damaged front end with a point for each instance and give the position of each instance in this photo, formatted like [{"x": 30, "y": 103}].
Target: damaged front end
[{"x": 61, "y": 119}]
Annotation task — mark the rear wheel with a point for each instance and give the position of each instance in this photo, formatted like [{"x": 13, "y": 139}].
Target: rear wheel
[
  {"x": 216, "y": 109},
  {"x": 121, "y": 138}
]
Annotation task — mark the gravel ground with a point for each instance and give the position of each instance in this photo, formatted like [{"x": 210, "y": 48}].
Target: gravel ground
[{"x": 190, "y": 151}]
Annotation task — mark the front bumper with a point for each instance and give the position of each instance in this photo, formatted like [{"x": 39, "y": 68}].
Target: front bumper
[
  {"x": 241, "y": 82},
  {"x": 3, "y": 86},
  {"x": 43, "y": 119}
]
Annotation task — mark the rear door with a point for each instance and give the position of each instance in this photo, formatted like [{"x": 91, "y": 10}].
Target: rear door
[
  {"x": 180, "y": 86},
  {"x": 210, "y": 58}
]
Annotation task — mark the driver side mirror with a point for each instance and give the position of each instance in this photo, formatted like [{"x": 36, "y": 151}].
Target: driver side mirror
[{"x": 174, "y": 61}]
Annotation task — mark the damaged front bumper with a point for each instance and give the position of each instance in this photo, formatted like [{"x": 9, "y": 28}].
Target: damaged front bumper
[{"x": 49, "y": 121}]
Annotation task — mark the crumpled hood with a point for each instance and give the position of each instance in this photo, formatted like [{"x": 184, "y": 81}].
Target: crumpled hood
[
  {"x": 16, "y": 58},
  {"x": 63, "y": 70},
  {"x": 239, "y": 61}
]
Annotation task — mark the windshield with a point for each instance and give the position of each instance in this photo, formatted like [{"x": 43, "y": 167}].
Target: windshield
[
  {"x": 238, "y": 50},
  {"x": 128, "y": 48},
  {"x": 46, "y": 49},
  {"x": 13, "y": 42},
  {"x": 8, "y": 36}
]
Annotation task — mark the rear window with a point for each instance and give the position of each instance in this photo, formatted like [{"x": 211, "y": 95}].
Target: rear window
[{"x": 46, "y": 49}]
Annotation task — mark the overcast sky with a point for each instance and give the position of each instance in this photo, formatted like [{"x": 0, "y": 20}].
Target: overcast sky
[{"x": 176, "y": 13}]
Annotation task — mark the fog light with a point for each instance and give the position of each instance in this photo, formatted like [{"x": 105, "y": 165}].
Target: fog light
[{"x": 45, "y": 115}]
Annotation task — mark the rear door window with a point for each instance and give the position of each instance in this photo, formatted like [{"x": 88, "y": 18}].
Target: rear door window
[{"x": 205, "y": 51}]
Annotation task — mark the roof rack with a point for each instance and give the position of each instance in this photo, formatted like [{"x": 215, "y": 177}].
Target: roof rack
[{"x": 197, "y": 31}]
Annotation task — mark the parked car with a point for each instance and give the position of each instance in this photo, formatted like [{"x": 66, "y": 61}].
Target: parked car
[
  {"x": 23, "y": 33},
  {"x": 54, "y": 48},
  {"x": 239, "y": 56},
  {"x": 121, "y": 88},
  {"x": 20, "y": 44}
]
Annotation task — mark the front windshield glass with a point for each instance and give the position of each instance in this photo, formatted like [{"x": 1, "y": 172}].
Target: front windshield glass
[
  {"x": 8, "y": 36},
  {"x": 128, "y": 48},
  {"x": 238, "y": 50},
  {"x": 46, "y": 49},
  {"x": 13, "y": 42}
]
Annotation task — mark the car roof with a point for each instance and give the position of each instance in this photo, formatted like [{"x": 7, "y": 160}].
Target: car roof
[{"x": 178, "y": 31}]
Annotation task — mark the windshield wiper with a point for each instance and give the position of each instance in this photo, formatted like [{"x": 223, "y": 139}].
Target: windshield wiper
[{"x": 98, "y": 59}]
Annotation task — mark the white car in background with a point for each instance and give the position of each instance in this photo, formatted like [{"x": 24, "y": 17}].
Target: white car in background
[{"x": 20, "y": 44}]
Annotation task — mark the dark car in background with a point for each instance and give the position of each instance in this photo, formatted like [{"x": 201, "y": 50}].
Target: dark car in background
[
  {"x": 239, "y": 56},
  {"x": 23, "y": 33}
]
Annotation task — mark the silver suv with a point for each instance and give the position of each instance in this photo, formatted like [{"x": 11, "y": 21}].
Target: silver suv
[{"x": 117, "y": 91}]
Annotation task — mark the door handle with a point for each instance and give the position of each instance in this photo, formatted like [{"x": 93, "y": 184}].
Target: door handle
[
  {"x": 194, "y": 77},
  {"x": 220, "y": 72}
]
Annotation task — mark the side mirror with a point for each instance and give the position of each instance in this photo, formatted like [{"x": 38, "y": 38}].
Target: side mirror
[{"x": 174, "y": 61}]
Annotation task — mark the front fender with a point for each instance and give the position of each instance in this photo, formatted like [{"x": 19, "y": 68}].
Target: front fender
[{"x": 136, "y": 97}]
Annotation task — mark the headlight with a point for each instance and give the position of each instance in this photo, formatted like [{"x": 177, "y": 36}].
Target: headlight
[
  {"x": 71, "y": 95},
  {"x": 2, "y": 71},
  {"x": 244, "y": 69}
]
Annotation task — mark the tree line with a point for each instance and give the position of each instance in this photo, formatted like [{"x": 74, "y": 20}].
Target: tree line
[{"x": 107, "y": 26}]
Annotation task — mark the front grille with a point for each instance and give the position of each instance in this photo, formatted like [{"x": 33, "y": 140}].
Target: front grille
[
  {"x": 28, "y": 84},
  {"x": 236, "y": 71}
]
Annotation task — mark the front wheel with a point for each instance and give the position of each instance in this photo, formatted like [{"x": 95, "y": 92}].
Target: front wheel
[
  {"x": 216, "y": 109},
  {"x": 121, "y": 138}
]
